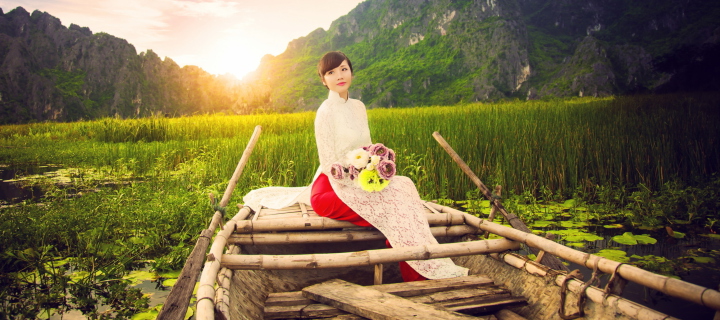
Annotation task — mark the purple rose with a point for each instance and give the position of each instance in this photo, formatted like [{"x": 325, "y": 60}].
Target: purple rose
[
  {"x": 386, "y": 169},
  {"x": 353, "y": 173},
  {"x": 336, "y": 171},
  {"x": 378, "y": 149},
  {"x": 390, "y": 155}
]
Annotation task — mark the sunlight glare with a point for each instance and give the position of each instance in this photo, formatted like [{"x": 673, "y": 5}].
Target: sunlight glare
[{"x": 235, "y": 56}]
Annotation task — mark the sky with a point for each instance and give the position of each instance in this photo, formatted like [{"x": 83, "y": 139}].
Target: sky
[{"x": 220, "y": 36}]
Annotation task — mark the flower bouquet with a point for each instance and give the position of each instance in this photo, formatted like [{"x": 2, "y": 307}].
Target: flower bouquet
[{"x": 372, "y": 167}]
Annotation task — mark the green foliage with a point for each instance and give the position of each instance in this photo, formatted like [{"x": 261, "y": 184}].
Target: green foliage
[
  {"x": 633, "y": 239},
  {"x": 615, "y": 255},
  {"x": 69, "y": 83}
]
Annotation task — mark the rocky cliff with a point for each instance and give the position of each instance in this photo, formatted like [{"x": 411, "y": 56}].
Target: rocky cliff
[
  {"x": 405, "y": 53},
  {"x": 52, "y": 72},
  {"x": 425, "y": 52}
]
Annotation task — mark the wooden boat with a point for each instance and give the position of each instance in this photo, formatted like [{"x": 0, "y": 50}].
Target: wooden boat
[{"x": 291, "y": 263}]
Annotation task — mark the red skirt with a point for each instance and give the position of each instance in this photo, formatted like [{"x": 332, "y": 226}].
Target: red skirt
[{"x": 327, "y": 204}]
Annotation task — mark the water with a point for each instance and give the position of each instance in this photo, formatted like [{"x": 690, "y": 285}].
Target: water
[
  {"x": 12, "y": 190},
  {"x": 705, "y": 275}
]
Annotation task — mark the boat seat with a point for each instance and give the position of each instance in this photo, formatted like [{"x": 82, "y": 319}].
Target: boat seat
[{"x": 475, "y": 295}]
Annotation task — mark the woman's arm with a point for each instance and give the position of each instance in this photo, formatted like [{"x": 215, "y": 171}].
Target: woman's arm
[{"x": 326, "y": 136}]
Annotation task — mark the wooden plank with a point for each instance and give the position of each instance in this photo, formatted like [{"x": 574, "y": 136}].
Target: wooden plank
[
  {"x": 373, "y": 304},
  {"x": 177, "y": 303},
  {"x": 505, "y": 314},
  {"x": 308, "y": 311},
  {"x": 458, "y": 297},
  {"x": 487, "y": 306},
  {"x": 403, "y": 289},
  {"x": 482, "y": 298},
  {"x": 408, "y": 289}
]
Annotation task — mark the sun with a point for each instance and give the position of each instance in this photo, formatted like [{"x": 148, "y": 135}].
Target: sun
[{"x": 235, "y": 56}]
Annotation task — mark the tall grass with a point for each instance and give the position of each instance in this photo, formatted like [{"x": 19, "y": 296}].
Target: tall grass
[
  {"x": 559, "y": 148},
  {"x": 562, "y": 145}
]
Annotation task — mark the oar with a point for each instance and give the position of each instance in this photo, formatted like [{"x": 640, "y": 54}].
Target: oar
[
  {"x": 178, "y": 300},
  {"x": 549, "y": 260}
]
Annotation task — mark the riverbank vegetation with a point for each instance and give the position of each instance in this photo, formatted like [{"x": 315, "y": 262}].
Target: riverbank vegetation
[{"x": 133, "y": 192}]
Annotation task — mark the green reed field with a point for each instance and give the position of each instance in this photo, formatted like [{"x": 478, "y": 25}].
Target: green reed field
[{"x": 73, "y": 248}]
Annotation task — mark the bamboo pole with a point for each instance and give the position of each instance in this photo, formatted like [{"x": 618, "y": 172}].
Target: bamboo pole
[
  {"x": 335, "y": 236},
  {"x": 206, "y": 290},
  {"x": 378, "y": 274},
  {"x": 222, "y": 294},
  {"x": 493, "y": 210},
  {"x": 177, "y": 301},
  {"x": 595, "y": 294},
  {"x": 322, "y": 223},
  {"x": 514, "y": 221},
  {"x": 366, "y": 258},
  {"x": 676, "y": 288}
]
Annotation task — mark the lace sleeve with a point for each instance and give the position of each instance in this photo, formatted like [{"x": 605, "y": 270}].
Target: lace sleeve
[{"x": 326, "y": 138}]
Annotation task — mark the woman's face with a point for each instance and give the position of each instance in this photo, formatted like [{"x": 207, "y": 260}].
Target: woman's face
[{"x": 339, "y": 79}]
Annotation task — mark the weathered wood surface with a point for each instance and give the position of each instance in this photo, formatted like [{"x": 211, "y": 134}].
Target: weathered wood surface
[
  {"x": 367, "y": 257},
  {"x": 374, "y": 304},
  {"x": 469, "y": 294},
  {"x": 505, "y": 314},
  {"x": 511, "y": 218},
  {"x": 177, "y": 303}
]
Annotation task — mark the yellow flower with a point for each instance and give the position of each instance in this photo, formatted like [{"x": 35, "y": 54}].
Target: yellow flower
[{"x": 370, "y": 181}]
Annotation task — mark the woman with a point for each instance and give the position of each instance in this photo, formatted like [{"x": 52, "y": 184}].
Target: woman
[{"x": 341, "y": 126}]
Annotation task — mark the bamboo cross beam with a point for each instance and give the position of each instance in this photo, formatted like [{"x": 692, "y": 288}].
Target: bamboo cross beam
[
  {"x": 514, "y": 221},
  {"x": 335, "y": 236},
  {"x": 176, "y": 304},
  {"x": 322, "y": 223},
  {"x": 365, "y": 258}
]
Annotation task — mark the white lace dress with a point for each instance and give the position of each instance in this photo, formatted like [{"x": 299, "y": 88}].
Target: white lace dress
[{"x": 397, "y": 211}]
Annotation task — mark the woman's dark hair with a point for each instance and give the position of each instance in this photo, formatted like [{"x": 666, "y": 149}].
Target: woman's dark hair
[{"x": 332, "y": 60}]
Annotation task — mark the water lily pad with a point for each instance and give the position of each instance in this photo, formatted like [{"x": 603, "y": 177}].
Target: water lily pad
[
  {"x": 170, "y": 274},
  {"x": 574, "y": 235},
  {"x": 542, "y": 223},
  {"x": 678, "y": 235},
  {"x": 169, "y": 282},
  {"x": 138, "y": 276},
  {"x": 569, "y": 203},
  {"x": 711, "y": 235},
  {"x": 615, "y": 255},
  {"x": 147, "y": 315},
  {"x": 614, "y": 226},
  {"x": 629, "y": 238},
  {"x": 576, "y": 244},
  {"x": 573, "y": 224},
  {"x": 703, "y": 259}
]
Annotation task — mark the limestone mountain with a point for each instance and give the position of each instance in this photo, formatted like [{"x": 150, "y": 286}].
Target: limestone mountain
[
  {"x": 52, "y": 72},
  {"x": 439, "y": 52},
  {"x": 405, "y": 53}
]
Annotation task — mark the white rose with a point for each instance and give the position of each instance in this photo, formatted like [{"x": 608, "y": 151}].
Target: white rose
[
  {"x": 370, "y": 167},
  {"x": 358, "y": 158},
  {"x": 375, "y": 160}
]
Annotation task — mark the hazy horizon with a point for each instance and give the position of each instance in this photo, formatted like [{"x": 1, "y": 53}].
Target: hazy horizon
[{"x": 220, "y": 36}]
